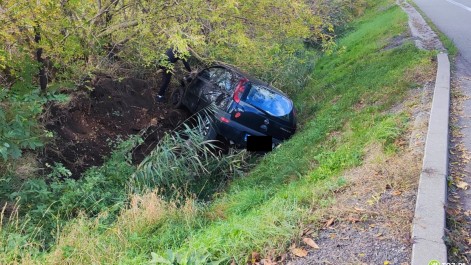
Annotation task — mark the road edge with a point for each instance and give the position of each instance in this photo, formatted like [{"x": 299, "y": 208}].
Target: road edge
[{"x": 428, "y": 227}]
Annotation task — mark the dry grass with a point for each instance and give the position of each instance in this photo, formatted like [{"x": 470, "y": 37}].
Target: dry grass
[
  {"x": 81, "y": 242},
  {"x": 27, "y": 166},
  {"x": 382, "y": 189},
  {"x": 422, "y": 73}
]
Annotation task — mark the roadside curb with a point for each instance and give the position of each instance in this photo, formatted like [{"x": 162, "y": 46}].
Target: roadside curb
[{"x": 428, "y": 227}]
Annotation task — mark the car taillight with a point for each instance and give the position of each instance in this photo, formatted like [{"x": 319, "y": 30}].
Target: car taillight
[
  {"x": 240, "y": 89},
  {"x": 224, "y": 119}
]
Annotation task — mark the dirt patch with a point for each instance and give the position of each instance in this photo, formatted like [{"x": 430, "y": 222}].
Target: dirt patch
[
  {"x": 113, "y": 109},
  {"x": 397, "y": 41}
]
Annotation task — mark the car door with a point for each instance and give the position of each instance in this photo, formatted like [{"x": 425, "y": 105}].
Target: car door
[{"x": 195, "y": 89}]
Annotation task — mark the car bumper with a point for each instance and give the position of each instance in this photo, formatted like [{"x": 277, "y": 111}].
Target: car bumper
[{"x": 237, "y": 133}]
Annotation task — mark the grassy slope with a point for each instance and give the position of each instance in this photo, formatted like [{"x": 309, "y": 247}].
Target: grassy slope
[{"x": 342, "y": 111}]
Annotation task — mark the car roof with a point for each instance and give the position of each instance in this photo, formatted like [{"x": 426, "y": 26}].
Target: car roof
[{"x": 249, "y": 77}]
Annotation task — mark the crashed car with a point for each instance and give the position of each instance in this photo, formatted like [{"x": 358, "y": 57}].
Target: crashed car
[{"x": 244, "y": 106}]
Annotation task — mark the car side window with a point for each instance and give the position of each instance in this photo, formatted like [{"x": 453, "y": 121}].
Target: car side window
[
  {"x": 223, "y": 79},
  {"x": 205, "y": 74}
]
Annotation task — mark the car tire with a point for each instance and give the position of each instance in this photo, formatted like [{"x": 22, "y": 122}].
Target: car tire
[
  {"x": 176, "y": 98},
  {"x": 177, "y": 117}
]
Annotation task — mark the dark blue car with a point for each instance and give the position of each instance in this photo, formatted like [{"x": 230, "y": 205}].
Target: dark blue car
[{"x": 244, "y": 106}]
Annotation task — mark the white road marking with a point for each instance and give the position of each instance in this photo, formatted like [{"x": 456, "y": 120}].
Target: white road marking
[{"x": 460, "y": 5}]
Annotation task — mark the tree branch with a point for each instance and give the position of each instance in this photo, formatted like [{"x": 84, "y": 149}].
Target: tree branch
[{"x": 113, "y": 28}]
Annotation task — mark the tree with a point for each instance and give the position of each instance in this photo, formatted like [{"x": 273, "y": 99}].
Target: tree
[{"x": 79, "y": 34}]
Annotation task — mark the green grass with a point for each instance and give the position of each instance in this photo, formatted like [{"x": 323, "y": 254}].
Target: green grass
[{"x": 342, "y": 110}]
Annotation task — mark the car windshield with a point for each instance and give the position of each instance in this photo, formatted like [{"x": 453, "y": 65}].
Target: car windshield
[{"x": 273, "y": 103}]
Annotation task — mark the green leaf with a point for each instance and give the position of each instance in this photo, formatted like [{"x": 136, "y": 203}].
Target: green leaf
[
  {"x": 15, "y": 152},
  {"x": 4, "y": 152},
  {"x": 157, "y": 259}
]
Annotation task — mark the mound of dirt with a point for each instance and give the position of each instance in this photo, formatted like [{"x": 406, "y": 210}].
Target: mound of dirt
[{"x": 114, "y": 109}]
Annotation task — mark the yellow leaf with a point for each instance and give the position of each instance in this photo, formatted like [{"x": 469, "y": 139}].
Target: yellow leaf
[
  {"x": 396, "y": 192},
  {"x": 310, "y": 242},
  {"x": 462, "y": 185},
  {"x": 386, "y": 262},
  {"x": 299, "y": 252}
]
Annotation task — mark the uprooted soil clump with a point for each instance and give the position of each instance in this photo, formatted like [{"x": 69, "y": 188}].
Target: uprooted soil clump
[{"x": 85, "y": 127}]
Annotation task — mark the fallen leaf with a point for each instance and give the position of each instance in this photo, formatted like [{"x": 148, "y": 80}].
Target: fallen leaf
[
  {"x": 386, "y": 262},
  {"x": 329, "y": 222},
  {"x": 462, "y": 185},
  {"x": 307, "y": 231},
  {"x": 396, "y": 193},
  {"x": 299, "y": 252},
  {"x": 310, "y": 242},
  {"x": 267, "y": 262},
  {"x": 353, "y": 219}
]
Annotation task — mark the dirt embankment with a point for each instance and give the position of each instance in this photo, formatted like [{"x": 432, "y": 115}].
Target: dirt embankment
[{"x": 85, "y": 127}]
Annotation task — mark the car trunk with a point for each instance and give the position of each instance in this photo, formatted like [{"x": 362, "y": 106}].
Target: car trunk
[{"x": 260, "y": 121}]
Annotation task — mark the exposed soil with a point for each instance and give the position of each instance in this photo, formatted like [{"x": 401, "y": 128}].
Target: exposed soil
[{"x": 85, "y": 127}]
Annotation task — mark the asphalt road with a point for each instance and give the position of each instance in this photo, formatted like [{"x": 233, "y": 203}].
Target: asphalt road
[{"x": 452, "y": 17}]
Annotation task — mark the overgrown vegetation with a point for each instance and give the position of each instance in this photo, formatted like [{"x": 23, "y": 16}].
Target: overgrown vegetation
[
  {"x": 342, "y": 107},
  {"x": 63, "y": 44}
]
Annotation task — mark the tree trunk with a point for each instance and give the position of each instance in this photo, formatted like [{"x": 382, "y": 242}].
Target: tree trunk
[{"x": 40, "y": 60}]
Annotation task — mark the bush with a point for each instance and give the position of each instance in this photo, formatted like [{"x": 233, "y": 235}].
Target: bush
[
  {"x": 185, "y": 163},
  {"x": 21, "y": 105}
]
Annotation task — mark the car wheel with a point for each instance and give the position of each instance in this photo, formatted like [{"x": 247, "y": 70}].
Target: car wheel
[
  {"x": 177, "y": 97},
  {"x": 177, "y": 117},
  {"x": 208, "y": 131}
]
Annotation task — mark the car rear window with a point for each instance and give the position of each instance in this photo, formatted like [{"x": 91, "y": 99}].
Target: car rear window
[{"x": 273, "y": 103}]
